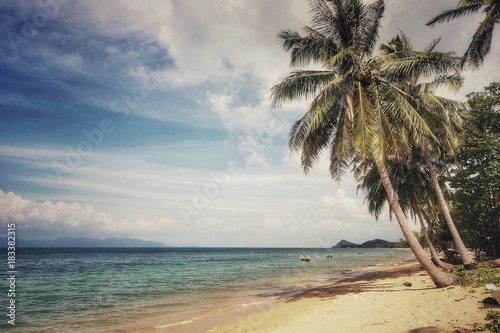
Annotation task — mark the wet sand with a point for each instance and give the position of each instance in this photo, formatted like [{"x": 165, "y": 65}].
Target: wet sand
[{"x": 375, "y": 302}]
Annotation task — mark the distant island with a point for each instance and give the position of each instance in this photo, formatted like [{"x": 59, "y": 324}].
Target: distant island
[
  {"x": 374, "y": 243},
  {"x": 84, "y": 242}
]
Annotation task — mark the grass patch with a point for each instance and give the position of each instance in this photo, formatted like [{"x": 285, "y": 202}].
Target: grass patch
[
  {"x": 494, "y": 324},
  {"x": 483, "y": 274}
]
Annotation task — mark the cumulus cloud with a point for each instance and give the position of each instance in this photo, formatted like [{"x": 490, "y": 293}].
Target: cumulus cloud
[
  {"x": 274, "y": 222},
  {"x": 62, "y": 218},
  {"x": 329, "y": 200}
]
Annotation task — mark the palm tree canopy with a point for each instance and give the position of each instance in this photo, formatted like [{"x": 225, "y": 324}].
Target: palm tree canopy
[
  {"x": 481, "y": 41},
  {"x": 443, "y": 115},
  {"x": 410, "y": 180},
  {"x": 359, "y": 109}
]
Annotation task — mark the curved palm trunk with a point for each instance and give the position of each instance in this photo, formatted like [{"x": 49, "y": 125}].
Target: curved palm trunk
[
  {"x": 436, "y": 238},
  {"x": 432, "y": 250},
  {"x": 467, "y": 260},
  {"x": 440, "y": 278}
]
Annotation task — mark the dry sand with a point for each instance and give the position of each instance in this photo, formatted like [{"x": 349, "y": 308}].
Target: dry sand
[{"x": 377, "y": 303}]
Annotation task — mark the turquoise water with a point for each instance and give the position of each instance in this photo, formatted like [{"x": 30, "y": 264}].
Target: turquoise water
[{"x": 101, "y": 289}]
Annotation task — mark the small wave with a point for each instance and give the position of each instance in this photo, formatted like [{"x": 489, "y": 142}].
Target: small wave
[
  {"x": 184, "y": 322},
  {"x": 209, "y": 314}
]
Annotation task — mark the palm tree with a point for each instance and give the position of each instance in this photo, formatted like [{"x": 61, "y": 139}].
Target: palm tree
[
  {"x": 355, "y": 110},
  {"x": 481, "y": 41},
  {"x": 412, "y": 185},
  {"x": 467, "y": 259},
  {"x": 442, "y": 115}
]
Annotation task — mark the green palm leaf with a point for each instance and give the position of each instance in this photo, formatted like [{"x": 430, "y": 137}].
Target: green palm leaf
[
  {"x": 301, "y": 84},
  {"x": 452, "y": 14},
  {"x": 371, "y": 24}
]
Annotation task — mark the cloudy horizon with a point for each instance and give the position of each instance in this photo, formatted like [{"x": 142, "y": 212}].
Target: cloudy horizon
[{"x": 153, "y": 121}]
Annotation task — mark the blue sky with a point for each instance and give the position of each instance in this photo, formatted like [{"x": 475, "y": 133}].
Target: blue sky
[{"x": 151, "y": 120}]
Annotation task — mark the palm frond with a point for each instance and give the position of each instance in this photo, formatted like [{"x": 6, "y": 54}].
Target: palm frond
[
  {"x": 322, "y": 16},
  {"x": 298, "y": 132},
  {"x": 452, "y": 82},
  {"x": 364, "y": 121},
  {"x": 400, "y": 105},
  {"x": 343, "y": 23},
  {"x": 344, "y": 61},
  {"x": 289, "y": 39},
  {"x": 432, "y": 45},
  {"x": 412, "y": 64},
  {"x": 481, "y": 41},
  {"x": 371, "y": 24},
  {"x": 406, "y": 44},
  {"x": 393, "y": 139},
  {"x": 341, "y": 151},
  {"x": 298, "y": 85},
  {"x": 313, "y": 48},
  {"x": 447, "y": 122},
  {"x": 324, "y": 112},
  {"x": 452, "y": 14},
  {"x": 380, "y": 141}
]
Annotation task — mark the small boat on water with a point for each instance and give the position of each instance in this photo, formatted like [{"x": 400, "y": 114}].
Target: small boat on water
[
  {"x": 304, "y": 258},
  {"x": 329, "y": 256}
]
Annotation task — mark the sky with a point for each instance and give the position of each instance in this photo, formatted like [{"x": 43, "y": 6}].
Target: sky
[{"x": 152, "y": 120}]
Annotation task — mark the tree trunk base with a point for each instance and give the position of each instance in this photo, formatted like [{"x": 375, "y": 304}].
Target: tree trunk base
[
  {"x": 470, "y": 266},
  {"x": 450, "y": 280}
]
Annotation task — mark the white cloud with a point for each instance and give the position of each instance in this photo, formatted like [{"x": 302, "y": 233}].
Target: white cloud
[
  {"x": 273, "y": 222},
  {"x": 328, "y": 200},
  {"x": 53, "y": 219},
  {"x": 210, "y": 41}
]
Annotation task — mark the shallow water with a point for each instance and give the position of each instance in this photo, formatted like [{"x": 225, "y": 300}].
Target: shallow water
[{"x": 108, "y": 289}]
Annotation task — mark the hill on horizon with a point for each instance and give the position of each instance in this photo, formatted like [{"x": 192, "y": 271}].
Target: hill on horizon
[
  {"x": 374, "y": 243},
  {"x": 84, "y": 242}
]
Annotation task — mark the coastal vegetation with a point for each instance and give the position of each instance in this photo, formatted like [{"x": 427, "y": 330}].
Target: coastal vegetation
[
  {"x": 379, "y": 115},
  {"x": 476, "y": 178},
  {"x": 484, "y": 274}
]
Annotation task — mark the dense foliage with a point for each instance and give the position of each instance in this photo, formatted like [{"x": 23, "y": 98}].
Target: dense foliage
[
  {"x": 477, "y": 181},
  {"x": 484, "y": 274},
  {"x": 494, "y": 324}
]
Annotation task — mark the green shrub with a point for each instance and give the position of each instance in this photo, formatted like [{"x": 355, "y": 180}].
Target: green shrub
[
  {"x": 494, "y": 324},
  {"x": 477, "y": 277}
]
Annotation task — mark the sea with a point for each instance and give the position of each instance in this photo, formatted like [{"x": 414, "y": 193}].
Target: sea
[{"x": 124, "y": 290}]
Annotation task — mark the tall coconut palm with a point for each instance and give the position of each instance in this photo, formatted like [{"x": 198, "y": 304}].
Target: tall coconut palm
[
  {"x": 412, "y": 186},
  {"x": 481, "y": 41},
  {"x": 467, "y": 259},
  {"x": 355, "y": 110},
  {"x": 442, "y": 115}
]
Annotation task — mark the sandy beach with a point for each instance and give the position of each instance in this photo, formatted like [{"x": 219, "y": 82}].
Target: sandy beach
[{"x": 377, "y": 302}]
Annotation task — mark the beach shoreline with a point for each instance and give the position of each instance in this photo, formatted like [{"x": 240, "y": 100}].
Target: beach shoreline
[
  {"x": 372, "y": 300},
  {"x": 375, "y": 301},
  {"x": 250, "y": 302}
]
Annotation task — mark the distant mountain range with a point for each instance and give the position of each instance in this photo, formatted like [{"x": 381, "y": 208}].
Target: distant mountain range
[
  {"x": 83, "y": 242},
  {"x": 374, "y": 243}
]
